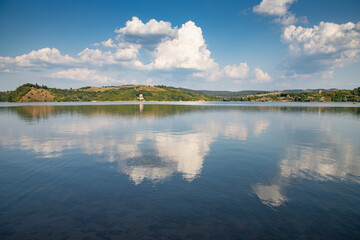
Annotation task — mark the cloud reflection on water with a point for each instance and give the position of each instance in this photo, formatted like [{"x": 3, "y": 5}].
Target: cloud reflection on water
[
  {"x": 336, "y": 160},
  {"x": 144, "y": 152},
  {"x": 140, "y": 154}
]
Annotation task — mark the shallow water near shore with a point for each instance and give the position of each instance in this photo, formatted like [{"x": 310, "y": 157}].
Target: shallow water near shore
[{"x": 179, "y": 171}]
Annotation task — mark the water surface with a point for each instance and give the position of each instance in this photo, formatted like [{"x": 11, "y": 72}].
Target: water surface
[{"x": 180, "y": 171}]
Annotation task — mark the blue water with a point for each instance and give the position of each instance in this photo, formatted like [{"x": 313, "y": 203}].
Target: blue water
[{"x": 179, "y": 171}]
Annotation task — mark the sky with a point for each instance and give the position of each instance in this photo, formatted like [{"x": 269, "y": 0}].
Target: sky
[{"x": 205, "y": 44}]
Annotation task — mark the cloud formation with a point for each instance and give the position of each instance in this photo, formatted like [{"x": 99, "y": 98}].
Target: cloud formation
[
  {"x": 241, "y": 71},
  {"x": 273, "y": 7},
  {"x": 322, "y": 47},
  {"x": 137, "y": 47},
  {"x": 278, "y": 9},
  {"x": 260, "y": 76},
  {"x": 187, "y": 50},
  {"x": 41, "y": 57},
  {"x": 109, "y": 43},
  {"x": 82, "y": 74},
  {"x": 150, "y": 33}
]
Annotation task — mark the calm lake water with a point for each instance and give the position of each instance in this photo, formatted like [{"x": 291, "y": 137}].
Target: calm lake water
[{"x": 180, "y": 171}]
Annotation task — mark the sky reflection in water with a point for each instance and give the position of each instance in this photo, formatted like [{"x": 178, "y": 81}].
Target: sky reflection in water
[{"x": 267, "y": 151}]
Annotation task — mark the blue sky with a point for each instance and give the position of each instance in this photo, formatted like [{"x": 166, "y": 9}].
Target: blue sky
[{"x": 214, "y": 45}]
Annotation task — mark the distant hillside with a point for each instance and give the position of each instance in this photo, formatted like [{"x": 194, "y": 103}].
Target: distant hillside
[
  {"x": 310, "y": 90},
  {"x": 225, "y": 93},
  {"x": 330, "y": 95},
  {"x": 35, "y": 93}
]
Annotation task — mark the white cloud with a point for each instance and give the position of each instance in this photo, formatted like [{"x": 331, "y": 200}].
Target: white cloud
[
  {"x": 261, "y": 77},
  {"x": 149, "y": 33},
  {"x": 100, "y": 58},
  {"x": 324, "y": 38},
  {"x": 109, "y": 43},
  {"x": 44, "y": 56},
  {"x": 233, "y": 71},
  {"x": 41, "y": 57},
  {"x": 136, "y": 27},
  {"x": 96, "y": 57},
  {"x": 289, "y": 19},
  {"x": 278, "y": 9},
  {"x": 187, "y": 50},
  {"x": 164, "y": 47},
  {"x": 273, "y": 7},
  {"x": 322, "y": 47},
  {"x": 82, "y": 74},
  {"x": 128, "y": 53},
  {"x": 6, "y": 62},
  {"x": 210, "y": 75}
]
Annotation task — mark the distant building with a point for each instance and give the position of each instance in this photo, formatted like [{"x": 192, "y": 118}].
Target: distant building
[{"x": 141, "y": 97}]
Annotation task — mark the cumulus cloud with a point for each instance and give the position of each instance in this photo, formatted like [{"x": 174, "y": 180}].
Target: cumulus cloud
[
  {"x": 233, "y": 71},
  {"x": 261, "y": 77},
  {"x": 41, "y": 57},
  {"x": 278, "y": 9},
  {"x": 151, "y": 32},
  {"x": 44, "y": 56},
  {"x": 240, "y": 71},
  {"x": 166, "y": 48},
  {"x": 210, "y": 75},
  {"x": 187, "y": 50},
  {"x": 322, "y": 47},
  {"x": 96, "y": 57},
  {"x": 171, "y": 49},
  {"x": 109, "y": 43},
  {"x": 100, "y": 58},
  {"x": 82, "y": 74},
  {"x": 273, "y": 7}
]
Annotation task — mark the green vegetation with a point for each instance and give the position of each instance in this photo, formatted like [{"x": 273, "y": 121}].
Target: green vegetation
[
  {"x": 113, "y": 93},
  {"x": 305, "y": 96},
  {"x": 164, "y": 93},
  {"x": 15, "y": 96},
  {"x": 225, "y": 95}
]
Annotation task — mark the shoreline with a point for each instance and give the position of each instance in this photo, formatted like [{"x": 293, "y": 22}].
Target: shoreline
[{"x": 205, "y": 103}]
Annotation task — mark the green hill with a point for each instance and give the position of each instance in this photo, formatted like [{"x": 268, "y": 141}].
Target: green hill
[
  {"x": 225, "y": 94},
  {"x": 35, "y": 93}
]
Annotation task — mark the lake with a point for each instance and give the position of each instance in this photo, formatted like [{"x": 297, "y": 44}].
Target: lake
[{"x": 180, "y": 171}]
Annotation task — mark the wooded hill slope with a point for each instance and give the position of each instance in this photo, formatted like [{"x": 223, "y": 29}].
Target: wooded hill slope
[{"x": 35, "y": 93}]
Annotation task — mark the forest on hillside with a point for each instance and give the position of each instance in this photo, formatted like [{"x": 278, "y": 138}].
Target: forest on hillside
[{"x": 40, "y": 93}]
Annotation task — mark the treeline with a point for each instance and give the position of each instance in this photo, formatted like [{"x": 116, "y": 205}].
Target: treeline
[
  {"x": 16, "y": 95},
  {"x": 320, "y": 96},
  {"x": 164, "y": 93},
  {"x": 121, "y": 93}
]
